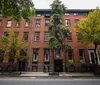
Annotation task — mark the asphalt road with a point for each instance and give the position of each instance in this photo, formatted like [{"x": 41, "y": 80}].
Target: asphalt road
[{"x": 42, "y": 81}]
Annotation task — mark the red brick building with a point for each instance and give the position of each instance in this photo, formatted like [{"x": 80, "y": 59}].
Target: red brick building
[{"x": 37, "y": 36}]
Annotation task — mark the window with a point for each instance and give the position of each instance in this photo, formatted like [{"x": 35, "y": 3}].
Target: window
[
  {"x": 46, "y": 36},
  {"x": 69, "y": 37},
  {"x": 35, "y": 54},
  {"x": 81, "y": 54},
  {"x": 9, "y": 22},
  {"x": 6, "y": 34},
  {"x": 57, "y": 53},
  {"x": 16, "y": 34},
  {"x": 11, "y": 59},
  {"x": 36, "y": 36},
  {"x": 34, "y": 68},
  {"x": 76, "y": 14},
  {"x": 68, "y": 22},
  {"x": 70, "y": 54},
  {"x": 27, "y": 24},
  {"x": 37, "y": 22},
  {"x": 76, "y": 21},
  {"x": 46, "y": 68},
  {"x": 1, "y": 55},
  {"x": 38, "y": 15},
  {"x": 25, "y": 36},
  {"x": 0, "y": 22},
  {"x": 17, "y": 24},
  {"x": 23, "y": 52},
  {"x": 47, "y": 21},
  {"x": 46, "y": 55}
]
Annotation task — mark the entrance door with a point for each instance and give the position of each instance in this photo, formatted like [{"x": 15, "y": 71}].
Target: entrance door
[
  {"x": 58, "y": 64},
  {"x": 92, "y": 57}
]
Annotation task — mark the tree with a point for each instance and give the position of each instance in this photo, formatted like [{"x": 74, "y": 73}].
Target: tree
[
  {"x": 88, "y": 30},
  {"x": 17, "y": 9},
  {"x": 12, "y": 46},
  {"x": 57, "y": 30}
]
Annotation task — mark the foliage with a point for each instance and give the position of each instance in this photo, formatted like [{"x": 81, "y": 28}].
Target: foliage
[
  {"x": 82, "y": 61},
  {"x": 57, "y": 30},
  {"x": 17, "y": 9},
  {"x": 71, "y": 62},
  {"x": 12, "y": 45},
  {"x": 88, "y": 30}
]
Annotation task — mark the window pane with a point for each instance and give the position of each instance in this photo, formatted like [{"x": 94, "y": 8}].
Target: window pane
[
  {"x": 9, "y": 23},
  {"x": 17, "y": 24},
  {"x": 70, "y": 54},
  {"x": 16, "y": 34},
  {"x": 46, "y": 54},
  {"x": 35, "y": 55},
  {"x": 47, "y": 21},
  {"x": 68, "y": 22},
  {"x": 81, "y": 54},
  {"x": 34, "y": 68},
  {"x": 69, "y": 37},
  {"x": 46, "y": 68},
  {"x": 57, "y": 53},
  {"x": 25, "y": 36},
  {"x": 0, "y": 22},
  {"x": 27, "y": 24},
  {"x": 6, "y": 34},
  {"x": 36, "y": 36},
  {"x": 76, "y": 21},
  {"x": 46, "y": 36},
  {"x": 37, "y": 22}
]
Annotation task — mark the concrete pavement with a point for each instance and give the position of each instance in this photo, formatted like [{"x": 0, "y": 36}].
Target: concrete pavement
[{"x": 41, "y": 74}]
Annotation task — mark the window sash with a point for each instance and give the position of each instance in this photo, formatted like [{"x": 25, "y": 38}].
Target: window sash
[
  {"x": 35, "y": 55},
  {"x": 16, "y": 34},
  {"x": 46, "y": 54},
  {"x": 17, "y": 24},
  {"x": 76, "y": 21},
  {"x": 47, "y": 22},
  {"x": 69, "y": 37},
  {"x": 37, "y": 36},
  {"x": 70, "y": 54},
  {"x": 34, "y": 68},
  {"x": 25, "y": 36},
  {"x": 37, "y": 22},
  {"x": 58, "y": 53},
  {"x": 81, "y": 54},
  {"x": 0, "y": 22},
  {"x": 9, "y": 23},
  {"x": 46, "y": 36},
  {"x": 68, "y": 22}
]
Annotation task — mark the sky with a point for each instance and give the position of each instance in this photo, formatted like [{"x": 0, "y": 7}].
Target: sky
[{"x": 70, "y": 4}]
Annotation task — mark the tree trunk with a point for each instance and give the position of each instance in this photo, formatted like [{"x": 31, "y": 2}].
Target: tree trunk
[{"x": 96, "y": 54}]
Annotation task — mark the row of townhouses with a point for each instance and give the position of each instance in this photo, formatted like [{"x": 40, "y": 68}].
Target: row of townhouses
[{"x": 37, "y": 36}]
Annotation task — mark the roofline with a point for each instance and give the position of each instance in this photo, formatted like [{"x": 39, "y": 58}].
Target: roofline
[{"x": 68, "y": 10}]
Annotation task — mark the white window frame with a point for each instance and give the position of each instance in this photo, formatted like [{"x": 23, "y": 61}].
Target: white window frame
[
  {"x": 68, "y": 24},
  {"x": 9, "y": 23},
  {"x": 35, "y": 55},
  {"x": 38, "y": 24}
]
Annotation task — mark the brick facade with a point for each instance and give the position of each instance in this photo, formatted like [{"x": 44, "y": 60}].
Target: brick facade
[{"x": 41, "y": 44}]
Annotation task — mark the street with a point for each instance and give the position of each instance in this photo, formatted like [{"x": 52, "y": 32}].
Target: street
[{"x": 47, "y": 81}]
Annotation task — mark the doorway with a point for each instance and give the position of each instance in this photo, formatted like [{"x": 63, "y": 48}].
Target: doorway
[{"x": 58, "y": 65}]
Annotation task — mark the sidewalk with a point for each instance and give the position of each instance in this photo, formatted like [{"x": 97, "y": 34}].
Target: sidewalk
[{"x": 41, "y": 74}]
